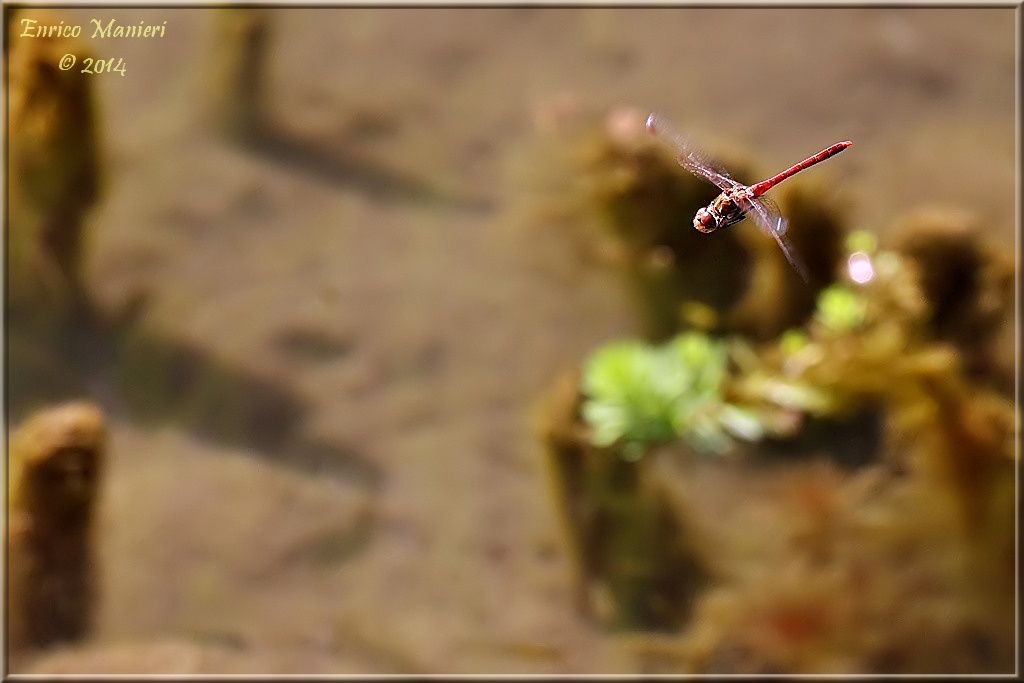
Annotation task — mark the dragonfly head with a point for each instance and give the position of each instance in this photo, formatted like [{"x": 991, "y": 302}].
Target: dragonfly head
[{"x": 705, "y": 221}]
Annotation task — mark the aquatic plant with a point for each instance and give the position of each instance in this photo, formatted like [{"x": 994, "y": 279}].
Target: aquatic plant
[
  {"x": 876, "y": 372},
  {"x": 642, "y": 395},
  {"x": 846, "y": 570},
  {"x": 237, "y": 88},
  {"x": 867, "y": 349},
  {"x": 840, "y": 308},
  {"x": 873, "y": 349},
  {"x": 775, "y": 298},
  {"x": 617, "y": 196},
  {"x": 968, "y": 282},
  {"x": 635, "y": 564},
  {"x": 55, "y": 177},
  {"x": 57, "y": 458},
  {"x": 864, "y": 382}
]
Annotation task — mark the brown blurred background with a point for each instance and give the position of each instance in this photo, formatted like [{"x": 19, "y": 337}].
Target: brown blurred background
[{"x": 328, "y": 340}]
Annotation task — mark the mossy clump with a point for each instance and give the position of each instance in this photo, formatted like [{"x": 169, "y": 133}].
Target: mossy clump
[
  {"x": 55, "y": 175},
  {"x": 618, "y": 196},
  {"x": 869, "y": 351},
  {"x": 967, "y": 281},
  {"x": 56, "y": 463},
  {"x": 873, "y": 348},
  {"x": 845, "y": 570},
  {"x": 623, "y": 197},
  {"x": 239, "y": 66},
  {"x": 776, "y": 298},
  {"x": 636, "y": 193},
  {"x": 865, "y": 345},
  {"x": 636, "y": 565},
  {"x": 898, "y": 516},
  {"x": 640, "y": 396},
  {"x": 864, "y": 574}
]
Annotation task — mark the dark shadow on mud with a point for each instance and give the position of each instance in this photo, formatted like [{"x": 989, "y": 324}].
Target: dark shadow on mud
[
  {"x": 152, "y": 379},
  {"x": 303, "y": 344},
  {"x": 342, "y": 165},
  {"x": 334, "y": 459},
  {"x": 332, "y": 546}
]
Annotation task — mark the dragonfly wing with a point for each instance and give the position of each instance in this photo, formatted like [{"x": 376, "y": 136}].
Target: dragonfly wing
[
  {"x": 771, "y": 216},
  {"x": 770, "y": 220},
  {"x": 702, "y": 167},
  {"x": 791, "y": 256},
  {"x": 687, "y": 156}
]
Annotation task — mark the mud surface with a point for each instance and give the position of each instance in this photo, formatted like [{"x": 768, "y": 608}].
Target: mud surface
[{"x": 360, "y": 491}]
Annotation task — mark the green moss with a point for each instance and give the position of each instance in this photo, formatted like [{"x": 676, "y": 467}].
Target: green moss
[
  {"x": 861, "y": 241},
  {"x": 57, "y": 461},
  {"x": 625, "y": 203},
  {"x": 792, "y": 341},
  {"x": 238, "y": 68},
  {"x": 635, "y": 565},
  {"x": 840, "y": 308},
  {"x": 54, "y": 160},
  {"x": 625, "y": 199},
  {"x": 880, "y": 382},
  {"x": 639, "y": 396},
  {"x": 968, "y": 284},
  {"x": 775, "y": 298}
]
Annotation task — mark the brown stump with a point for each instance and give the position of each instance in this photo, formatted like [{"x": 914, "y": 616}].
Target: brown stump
[{"x": 56, "y": 461}]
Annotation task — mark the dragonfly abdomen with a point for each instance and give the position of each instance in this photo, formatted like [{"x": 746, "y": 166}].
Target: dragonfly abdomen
[{"x": 765, "y": 185}]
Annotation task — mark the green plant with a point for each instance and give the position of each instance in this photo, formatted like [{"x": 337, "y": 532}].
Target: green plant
[
  {"x": 840, "y": 308},
  {"x": 861, "y": 241},
  {"x": 641, "y": 395},
  {"x": 792, "y": 341}
]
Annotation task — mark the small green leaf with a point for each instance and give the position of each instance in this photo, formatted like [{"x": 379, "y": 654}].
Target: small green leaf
[
  {"x": 641, "y": 395},
  {"x": 633, "y": 451},
  {"x": 608, "y": 422},
  {"x": 741, "y": 423},
  {"x": 792, "y": 341},
  {"x": 861, "y": 240},
  {"x": 840, "y": 308}
]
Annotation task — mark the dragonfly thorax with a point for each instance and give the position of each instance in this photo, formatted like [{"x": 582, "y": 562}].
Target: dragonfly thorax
[{"x": 725, "y": 210}]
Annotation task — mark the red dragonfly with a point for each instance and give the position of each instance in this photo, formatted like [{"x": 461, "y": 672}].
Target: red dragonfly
[{"x": 737, "y": 199}]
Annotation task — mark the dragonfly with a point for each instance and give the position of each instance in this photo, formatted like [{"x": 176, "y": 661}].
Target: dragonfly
[{"x": 737, "y": 200}]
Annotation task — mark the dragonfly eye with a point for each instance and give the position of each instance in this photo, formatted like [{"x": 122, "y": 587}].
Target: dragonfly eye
[{"x": 704, "y": 221}]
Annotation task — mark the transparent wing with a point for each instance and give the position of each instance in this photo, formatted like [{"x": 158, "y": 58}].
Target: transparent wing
[
  {"x": 779, "y": 224},
  {"x": 687, "y": 155},
  {"x": 768, "y": 217}
]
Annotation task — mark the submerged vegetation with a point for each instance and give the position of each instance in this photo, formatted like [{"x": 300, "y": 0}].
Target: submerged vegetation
[
  {"x": 238, "y": 82},
  {"x": 762, "y": 476},
  {"x": 645, "y": 395},
  {"x": 56, "y": 461},
  {"x": 635, "y": 564},
  {"x": 892, "y": 508},
  {"x": 56, "y": 177},
  {"x": 618, "y": 195}
]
